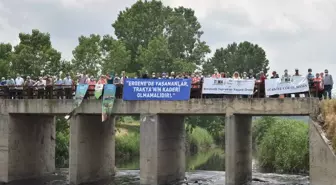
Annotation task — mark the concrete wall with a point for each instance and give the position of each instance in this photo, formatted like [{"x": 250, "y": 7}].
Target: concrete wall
[
  {"x": 270, "y": 106},
  {"x": 238, "y": 148},
  {"x": 322, "y": 158},
  {"x": 92, "y": 148},
  {"x": 162, "y": 149},
  {"x": 4, "y": 147},
  {"x": 27, "y": 146}
]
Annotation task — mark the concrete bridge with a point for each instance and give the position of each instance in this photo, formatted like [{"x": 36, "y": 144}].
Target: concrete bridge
[{"x": 27, "y": 136}]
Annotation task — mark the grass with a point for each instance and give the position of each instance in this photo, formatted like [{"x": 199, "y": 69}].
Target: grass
[
  {"x": 283, "y": 147},
  {"x": 128, "y": 139},
  {"x": 328, "y": 110},
  {"x": 199, "y": 139}
]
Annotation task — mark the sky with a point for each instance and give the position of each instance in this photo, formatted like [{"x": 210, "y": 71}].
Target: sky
[{"x": 294, "y": 34}]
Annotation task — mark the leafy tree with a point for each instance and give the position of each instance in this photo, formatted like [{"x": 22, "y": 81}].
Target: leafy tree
[
  {"x": 137, "y": 25},
  {"x": 35, "y": 54},
  {"x": 5, "y": 57},
  {"x": 87, "y": 56},
  {"x": 238, "y": 57},
  {"x": 62, "y": 142},
  {"x": 148, "y": 24},
  {"x": 115, "y": 55},
  {"x": 95, "y": 54},
  {"x": 158, "y": 57}
]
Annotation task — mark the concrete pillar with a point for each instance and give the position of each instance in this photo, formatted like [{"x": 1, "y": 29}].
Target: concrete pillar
[
  {"x": 238, "y": 150},
  {"x": 27, "y": 146},
  {"x": 162, "y": 149},
  {"x": 92, "y": 148}
]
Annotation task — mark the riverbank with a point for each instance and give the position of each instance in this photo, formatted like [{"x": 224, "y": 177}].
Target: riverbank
[
  {"x": 128, "y": 139},
  {"x": 281, "y": 145},
  {"x": 205, "y": 134},
  {"x": 327, "y": 119}
]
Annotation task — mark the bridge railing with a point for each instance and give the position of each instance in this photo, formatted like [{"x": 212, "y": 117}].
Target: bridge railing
[{"x": 68, "y": 91}]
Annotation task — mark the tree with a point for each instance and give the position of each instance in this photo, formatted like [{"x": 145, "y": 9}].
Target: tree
[
  {"x": 238, "y": 57},
  {"x": 35, "y": 54},
  {"x": 149, "y": 23},
  {"x": 87, "y": 56},
  {"x": 94, "y": 55},
  {"x": 5, "y": 57},
  {"x": 115, "y": 55},
  {"x": 156, "y": 57},
  {"x": 137, "y": 25}
]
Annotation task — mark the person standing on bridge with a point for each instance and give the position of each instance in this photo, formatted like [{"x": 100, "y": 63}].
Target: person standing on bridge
[
  {"x": 216, "y": 74},
  {"x": 19, "y": 86},
  {"x": 3, "y": 87},
  {"x": 11, "y": 88},
  {"x": 328, "y": 84},
  {"x": 29, "y": 84},
  {"x": 59, "y": 83},
  {"x": 68, "y": 86},
  {"x": 274, "y": 75},
  {"x": 3, "y": 81},
  {"x": 297, "y": 95},
  {"x": 251, "y": 75},
  {"x": 318, "y": 86},
  {"x": 49, "y": 87},
  {"x": 40, "y": 88}
]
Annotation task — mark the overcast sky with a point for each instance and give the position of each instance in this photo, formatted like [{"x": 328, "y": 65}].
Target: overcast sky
[{"x": 294, "y": 33}]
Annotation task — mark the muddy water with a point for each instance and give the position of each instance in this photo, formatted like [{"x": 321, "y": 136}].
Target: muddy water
[{"x": 205, "y": 168}]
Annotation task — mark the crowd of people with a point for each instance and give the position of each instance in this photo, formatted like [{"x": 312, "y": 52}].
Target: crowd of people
[{"x": 50, "y": 86}]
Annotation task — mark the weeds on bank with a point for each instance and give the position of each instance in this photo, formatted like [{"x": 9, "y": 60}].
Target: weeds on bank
[
  {"x": 199, "y": 139},
  {"x": 328, "y": 110}
]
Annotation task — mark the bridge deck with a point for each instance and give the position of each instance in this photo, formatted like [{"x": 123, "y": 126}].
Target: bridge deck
[{"x": 256, "y": 106}]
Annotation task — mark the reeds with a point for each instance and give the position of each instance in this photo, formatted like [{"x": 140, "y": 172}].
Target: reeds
[{"x": 328, "y": 113}]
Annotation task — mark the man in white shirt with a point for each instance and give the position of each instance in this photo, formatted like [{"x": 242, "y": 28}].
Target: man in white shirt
[{"x": 19, "y": 86}]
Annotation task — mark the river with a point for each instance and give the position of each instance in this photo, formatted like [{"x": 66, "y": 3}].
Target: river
[{"x": 204, "y": 168}]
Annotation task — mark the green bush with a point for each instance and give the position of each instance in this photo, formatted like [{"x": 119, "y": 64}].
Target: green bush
[
  {"x": 215, "y": 125},
  {"x": 199, "y": 139},
  {"x": 62, "y": 143},
  {"x": 259, "y": 128},
  {"x": 284, "y": 147},
  {"x": 127, "y": 145}
]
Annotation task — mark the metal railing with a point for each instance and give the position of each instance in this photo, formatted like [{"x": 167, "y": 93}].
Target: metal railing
[{"x": 68, "y": 91}]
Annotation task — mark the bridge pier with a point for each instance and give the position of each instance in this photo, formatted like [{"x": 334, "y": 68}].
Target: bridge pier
[
  {"x": 238, "y": 150},
  {"x": 162, "y": 149},
  {"x": 92, "y": 148},
  {"x": 27, "y": 146}
]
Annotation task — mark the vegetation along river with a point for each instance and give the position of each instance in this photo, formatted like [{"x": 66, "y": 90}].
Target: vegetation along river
[{"x": 205, "y": 152}]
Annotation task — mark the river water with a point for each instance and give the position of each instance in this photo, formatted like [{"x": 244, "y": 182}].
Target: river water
[{"x": 205, "y": 168}]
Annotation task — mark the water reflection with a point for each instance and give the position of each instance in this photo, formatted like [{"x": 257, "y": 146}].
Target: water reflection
[
  {"x": 211, "y": 160},
  {"x": 205, "y": 168}
]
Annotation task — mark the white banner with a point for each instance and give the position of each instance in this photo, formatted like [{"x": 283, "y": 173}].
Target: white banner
[
  {"x": 296, "y": 85},
  {"x": 228, "y": 86}
]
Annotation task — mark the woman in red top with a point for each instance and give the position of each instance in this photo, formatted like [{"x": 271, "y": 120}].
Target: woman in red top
[
  {"x": 262, "y": 77},
  {"x": 216, "y": 74},
  {"x": 195, "y": 81},
  {"x": 102, "y": 80},
  {"x": 318, "y": 85},
  {"x": 223, "y": 75},
  {"x": 92, "y": 85}
]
